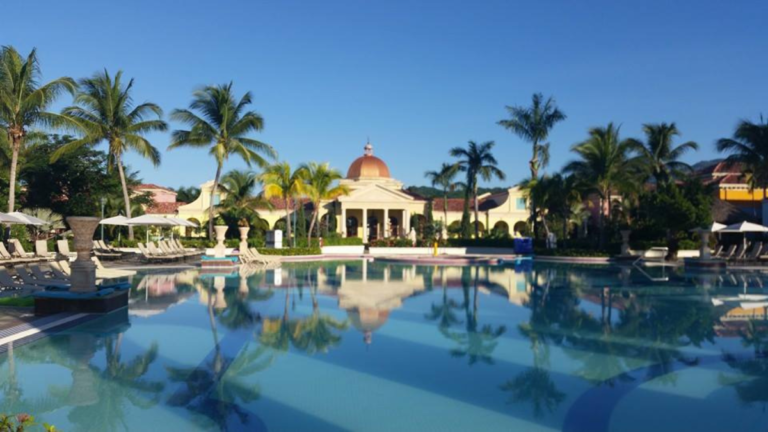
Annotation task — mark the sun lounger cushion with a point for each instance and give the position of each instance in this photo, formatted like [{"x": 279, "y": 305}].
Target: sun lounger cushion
[{"x": 73, "y": 295}]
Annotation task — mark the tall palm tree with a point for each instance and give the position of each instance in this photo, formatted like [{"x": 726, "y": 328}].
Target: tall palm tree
[
  {"x": 444, "y": 177},
  {"x": 103, "y": 110},
  {"x": 281, "y": 181},
  {"x": 749, "y": 148},
  {"x": 187, "y": 194},
  {"x": 223, "y": 124},
  {"x": 533, "y": 124},
  {"x": 478, "y": 162},
  {"x": 605, "y": 165},
  {"x": 321, "y": 185},
  {"x": 658, "y": 154},
  {"x": 23, "y": 104}
]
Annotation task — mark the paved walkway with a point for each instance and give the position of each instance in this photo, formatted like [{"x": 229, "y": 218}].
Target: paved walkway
[{"x": 13, "y": 316}]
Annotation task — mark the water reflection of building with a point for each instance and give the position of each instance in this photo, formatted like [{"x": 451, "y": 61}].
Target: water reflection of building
[{"x": 156, "y": 293}]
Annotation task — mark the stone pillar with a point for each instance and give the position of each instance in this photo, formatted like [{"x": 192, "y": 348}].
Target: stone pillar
[
  {"x": 406, "y": 222},
  {"x": 625, "y": 242},
  {"x": 83, "y": 275},
  {"x": 704, "y": 253},
  {"x": 243, "y": 289},
  {"x": 386, "y": 223},
  {"x": 365, "y": 270},
  {"x": 343, "y": 224},
  {"x": 364, "y": 223},
  {"x": 244, "y": 238},
  {"x": 220, "y": 251}
]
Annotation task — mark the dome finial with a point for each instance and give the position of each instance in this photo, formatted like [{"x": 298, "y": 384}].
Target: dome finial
[{"x": 368, "y": 149}]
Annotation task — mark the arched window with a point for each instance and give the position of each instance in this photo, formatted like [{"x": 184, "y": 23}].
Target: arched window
[
  {"x": 501, "y": 228},
  {"x": 352, "y": 226}
]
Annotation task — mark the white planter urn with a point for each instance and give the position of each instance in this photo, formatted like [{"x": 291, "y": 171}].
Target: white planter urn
[
  {"x": 220, "y": 251},
  {"x": 625, "y": 242},
  {"x": 704, "y": 253},
  {"x": 244, "y": 238},
  {"x": 83, "y": 275}
]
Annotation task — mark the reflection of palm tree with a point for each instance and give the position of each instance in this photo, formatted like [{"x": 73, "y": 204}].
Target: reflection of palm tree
[
  {"x": 213, "y": 388},
  {"x": 534, "y": 385},
  {"x": 478, "y": 343},
  {"x": 443, "y": 313},
  {"x": 315, "y": 333}
]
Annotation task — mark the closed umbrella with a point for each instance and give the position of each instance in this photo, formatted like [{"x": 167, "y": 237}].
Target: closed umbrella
[{"x": 28, "y": 219}]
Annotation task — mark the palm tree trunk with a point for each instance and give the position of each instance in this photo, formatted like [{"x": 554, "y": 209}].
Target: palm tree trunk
[
  {"x": 312, "y": 223},
  {"x": 477, "y": 227},
  {"x": 601, "y": 222},
  {"x": 534, "y": 165},
  {"x": 14, "y": 163},
  {"x": 288, "y": 218},
  {"x": 126, "y": 197},
  {"x": 212, "y": 206}
]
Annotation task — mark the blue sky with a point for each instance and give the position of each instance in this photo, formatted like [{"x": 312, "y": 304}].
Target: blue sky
[{"x": 417, "y": 77}]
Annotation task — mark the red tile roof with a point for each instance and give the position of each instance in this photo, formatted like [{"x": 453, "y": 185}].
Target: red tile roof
[{"x": 164, "y": 208}]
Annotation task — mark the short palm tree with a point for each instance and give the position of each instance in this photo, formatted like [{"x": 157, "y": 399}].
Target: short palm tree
[
  {"x": 477, "y": 161},
  {"x": 187, "y": 194},
  {"x": 104, "y": 111},
  {"x": 604, "y": 166},
  {"x": 533, "y": 124},
  {"x": 658, "y": 154},
  {"x": 218, "y": 120},
  {"x": 749, "y": 148},
  {"x": 321, "y": 185},
  {"x": 242, "y": 201},
  {"x": 24, "y": 103},
  {"x": 444, "y": 177},
  {"x": 281, "y": 181}
]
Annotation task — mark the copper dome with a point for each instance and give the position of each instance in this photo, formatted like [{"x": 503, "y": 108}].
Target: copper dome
[{"x": 368, "y": 166}]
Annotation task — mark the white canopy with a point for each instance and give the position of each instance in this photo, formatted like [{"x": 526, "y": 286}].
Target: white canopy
[
  {"x": 715, "y": 227},
  {"x": 7, "y": 218},
  {"x": 744, "y": 227},
  {"x": 181, "y": 222},
  {"x": 27, "y": 219},
  {"x": 117, "y": 220},
  {"x": 149, "y": 220}
]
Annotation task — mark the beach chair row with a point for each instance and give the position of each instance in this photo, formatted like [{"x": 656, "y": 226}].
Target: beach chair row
[
  {"x": 745, "y": 253},
  {"x": 54, "y": 274},
  {"x": 252, "y": 256},
  {"x": 167, "y": 250}
]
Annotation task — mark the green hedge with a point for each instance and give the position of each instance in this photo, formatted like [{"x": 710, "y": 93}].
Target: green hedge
[
  {"x": 569, "y": 252},
  {"x": 392, "y": 242},
  {"x": 290, "y": 251},
  {"x": 343, "y": 241}
]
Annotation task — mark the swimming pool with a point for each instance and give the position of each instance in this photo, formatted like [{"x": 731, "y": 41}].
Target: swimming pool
[{"x": 380, "y": 347}]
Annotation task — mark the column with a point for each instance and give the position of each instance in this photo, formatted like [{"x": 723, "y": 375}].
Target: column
[
  {"x": 386, "y": 223},
  {"x": 406, "y": 222},
  {"x": 364, "y": 223},
  {"x": 343, "y": 224}
]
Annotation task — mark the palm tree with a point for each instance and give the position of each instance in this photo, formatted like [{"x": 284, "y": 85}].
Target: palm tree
[
  {"x": 749, "y": 148},
  {"x": 477, "y": 161},
  {"x": 282, "y": 182},
  {"x": 533, "y": 125},
  {"x": 604, "y": 165},
  {"x": 444, "y": 177},
  {"x": 320, "y": 180},
  {"x": 241, "y": 201},
  {"x": 223, "y": 125},
  {"x": 187, "y": 194},
  {"x": 659, "y": 156},
  {"x": 104, "y": 111},
  {"x": 23, "y": 104}
]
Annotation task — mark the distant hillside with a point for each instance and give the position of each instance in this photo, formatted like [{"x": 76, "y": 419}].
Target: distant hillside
[
  {"x": 705, "y": 164},
  {"x": 430, "y": 192}
]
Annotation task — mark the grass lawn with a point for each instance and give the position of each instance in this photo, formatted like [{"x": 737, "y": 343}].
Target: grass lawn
[{"x": 17, "y": 301}]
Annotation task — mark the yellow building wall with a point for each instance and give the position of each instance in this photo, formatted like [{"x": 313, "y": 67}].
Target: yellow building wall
[{"x": 741, "y": 194}]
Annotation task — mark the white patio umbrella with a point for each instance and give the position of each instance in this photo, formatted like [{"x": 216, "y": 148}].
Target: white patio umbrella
[
  {"x": 10, "y": 219},
  {"x": 28, "y": 219},
  {"x": 149, "y": 220},
  {"x": 744, "y": 228},
  {"x": 117, "y": 220}
]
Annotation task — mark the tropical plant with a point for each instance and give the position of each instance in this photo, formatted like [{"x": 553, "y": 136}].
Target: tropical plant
[
  {"x": 533, "y": 124},
  {"x": 104, "y": 111},
  {"x": 749, "y": 148},
  {"x": 321, "y": 185},
  {"x": 241, "y": 201},
  {"x": 444, "y": 177},
  {"x": 24, "y": 103},
  {"x": 658, "y": 155},
  {"x": 187, "y": 194},
  {"x": 280, "y": 181},
  {"x": 477, "y": 161},
  {"x": 604, "y": 166},
  {"x": 223, "y": 125},
  {"x": 556, "y": 195}
]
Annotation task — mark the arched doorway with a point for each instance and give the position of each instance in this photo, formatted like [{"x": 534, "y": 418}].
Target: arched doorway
[
  {"x": 394, "y": 227},
  {"x": 480, "y": 228},
  {"x": 454, "y": 229},
  {"x": 352, "y": 225},
  {"x": 189, "y": 231},
  {"x": 501, "y": 229},
  {"x": 373, "y": 228},
  {"x": 521, "y": 229}
]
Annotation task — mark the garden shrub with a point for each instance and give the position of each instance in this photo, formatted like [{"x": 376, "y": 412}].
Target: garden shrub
[
  {"x": 342, "y": 241},
  {"x": 291, "y": 251}
]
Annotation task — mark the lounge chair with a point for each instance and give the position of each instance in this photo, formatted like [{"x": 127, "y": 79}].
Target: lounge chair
[
  {"x": 7, "y": 282},
  {"x": 180, "y": 246},
  {"x": 63, "y": 246},
  {"x": 718, "y": 251},
  {"x": 729, "y": 252},
  {"x": 28, "y": 279},
  {"x": 740, "y": 251},
  {"x": 266, "y": 259},
  {"x": 41, "y": 250},
  {"x": 18, "y": 249},
  {"x": 38, "y": 273},
  {"x": 57, "y": 269},
  {"x": 154, "y": 250},
  {"x": 149, "y": 256},
  {"x": 108, "y": 273},
  {"x": 104, "y": 253},
  {"x": 754, "y": 253}
]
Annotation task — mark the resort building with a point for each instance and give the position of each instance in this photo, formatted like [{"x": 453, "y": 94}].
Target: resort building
[
  {"x": 732, "y": 187},
  {"x": 377, "y": 206}
]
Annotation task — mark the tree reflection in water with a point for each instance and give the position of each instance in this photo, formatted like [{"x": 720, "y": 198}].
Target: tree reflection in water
[{"x": 752, "y": 383}]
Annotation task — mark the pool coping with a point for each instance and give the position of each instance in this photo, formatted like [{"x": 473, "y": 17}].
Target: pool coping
[{"x": 33, "y": 330}]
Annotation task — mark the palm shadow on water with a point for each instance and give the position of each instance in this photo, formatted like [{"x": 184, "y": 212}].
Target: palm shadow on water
[{"x": 751, "y": 384}]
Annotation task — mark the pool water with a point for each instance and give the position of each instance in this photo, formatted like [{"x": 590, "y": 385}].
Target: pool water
[{"x": 379, "y": 347}]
